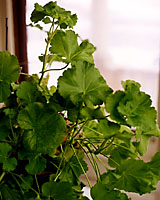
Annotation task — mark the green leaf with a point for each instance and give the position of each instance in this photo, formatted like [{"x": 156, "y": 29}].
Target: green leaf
[
  {"x": 136, "y": 107},
  {"x": 65, "y": 45},
  {"x": 9, "y": 72},
  {"x": 10, "y": 164},
  {"x": 131, "y": 176},
  {"x": 125, "y": 135},
  {"x": 79, "y": 86},
  {"x": 143, "y": 144},
  {"x": 91, "y": 132},
  {"x": 154, "y": 165},
  {"x": 84, "y": 198},
  {"x": 36, "y": 165},
  {"x": 98, "y": 131},
  {"x": 26, "y": 182},
  {"x": 27, "y": 92},
  {"x": 73, "y": 170},
  {"x": 58, "y": 191},
  {"x": 5, "y": 148},
  {"x": 86, "y": 49},
  {"x": 4, "y": 131},
  {"x": 90, "y": 113},
  {"x": 108, "y": 128},
  {"x": 47, "y": 20},
  {"x": 44, "y": 128},
  {"x": 119, "y": 154},
  {"x": 51, "y": 9},
  {"x": 100, "y": 191},
  {"x": 49, "y": 189},
  {"x": 8, "y": 193},
  {"x": 112, "y": 102}
]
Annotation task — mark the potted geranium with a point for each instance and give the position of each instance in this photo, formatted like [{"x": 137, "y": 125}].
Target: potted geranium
[{"x": 45, "y": 133}]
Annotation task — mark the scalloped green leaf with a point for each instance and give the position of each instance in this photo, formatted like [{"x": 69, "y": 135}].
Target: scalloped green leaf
[
  {"x": 133, "y": 107},
  {"x": 10, "y": 164},
  {"x": 8, "y": 193},
  {"x": 99, "y": 192},
  {"x": 131, "y": 176},
  {"x": 73, "y": 170},
  {"x": 108, "y": 128},
  {"x": 60, "y": 15},
  {"x": 5, "y": 148},
  {"x": 28, "y": 93},
  {"x": 65, "y": 45},
  {"x": 44, "y": 128},
  {"x": 112, "y": 102},
  {"x": 36, "y": 165},
  {"x": 137, "y": 109},
  {"x": 53, "y": 189},
  {"x": 83, "y": 83},
  {"x": 9, "y": 72}
]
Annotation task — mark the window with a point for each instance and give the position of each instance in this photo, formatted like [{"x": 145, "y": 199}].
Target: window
[{"x": 126, "y": 34}]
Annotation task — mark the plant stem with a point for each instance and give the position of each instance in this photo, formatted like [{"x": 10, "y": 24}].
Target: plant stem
[
  {"x": 102, "y": 147},
  {"x": 46, "y": 50},
  {"x": 25, "y": 183},
  {"x": 25, "y": 74},
  {"x": 18, "y": 183},
  {"x": 96, "y": 169},
  {"x": 111, "y": 159},
  {"x": 101, "y": 162},
  {"x": 37, "y": 184},
  {"x": 81, "y": 167},
  {"x": 48, "y": 70},
  {"x": 123, "y": 147},
  {"x": 13, "y": 133},
  {"x": 58, "y": 173},
  {"x": 2, "y": 175},
  {"x": 74, "y": 135},
  {"x": 88, "y": 158}
]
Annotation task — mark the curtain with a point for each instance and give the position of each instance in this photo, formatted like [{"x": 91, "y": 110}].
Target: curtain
[{"x": 20, "y": 35}]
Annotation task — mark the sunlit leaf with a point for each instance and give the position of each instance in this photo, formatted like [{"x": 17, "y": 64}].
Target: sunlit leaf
[
  {"x": 62, "y": 17},
  {"x": 83, "y": 83},
  {"x": 9, "y": 72},
  {"x": 66, "y": 47},
  {"x": 100, "y": 191}
]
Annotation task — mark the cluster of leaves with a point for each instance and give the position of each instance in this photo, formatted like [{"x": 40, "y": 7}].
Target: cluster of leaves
[{"x": 45, "y": 133}]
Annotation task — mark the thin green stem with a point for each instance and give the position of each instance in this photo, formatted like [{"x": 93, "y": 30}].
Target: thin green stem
[
  {"x": 86, "y": 154},
  {"x": 46, "y": 50},
  {"x": 96, "y": 170},
  {"x": 53, "y": 164},
  {"x": 25, "y": 183},
  {"x": 100, "y": 160},
  {"x": 1, "y": 196},
  {"x": 102, "y": 147},
  {"x": 25, "y": 74},
  {"x": 48, "y": 70},
  {"x": 37, "y": 183},
  {"x": 92, "y": 162},
  {"x": 111, "y": 159},
  {"x": 5, "y": 141},
  {"x": 18, "y": 183},
  {"x": 127, "y": 150},
  {"x": 74, "y": 135},
  {"x": 59, "y": 170},
  {"x": 13, "y": 133},
  {"x": 81, "y": 167},
  {"x": 2, "y": 175}
]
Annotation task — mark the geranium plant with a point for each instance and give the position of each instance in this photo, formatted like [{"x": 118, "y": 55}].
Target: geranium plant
[{"x": 45, "y": 133}]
